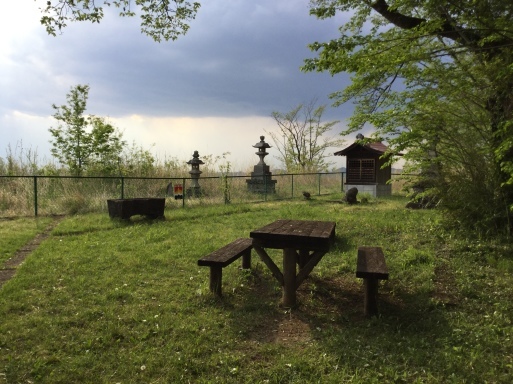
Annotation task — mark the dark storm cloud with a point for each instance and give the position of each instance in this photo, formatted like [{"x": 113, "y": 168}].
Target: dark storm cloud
[{"x": 239, "y": 58}]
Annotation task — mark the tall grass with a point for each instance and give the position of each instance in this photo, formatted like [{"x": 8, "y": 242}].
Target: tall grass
[
  {"x": 69, "y": 195},
  {"x": 24, "y": 183},
  {"x": 110, "y": 301}
]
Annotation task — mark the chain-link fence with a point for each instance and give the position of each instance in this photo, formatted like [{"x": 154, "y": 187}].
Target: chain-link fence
[
  {"x": 53, "y": 195},
  {"x": 56, "y": 195}
]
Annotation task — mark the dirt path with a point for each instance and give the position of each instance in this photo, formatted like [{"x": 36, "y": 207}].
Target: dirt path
[{"x": 8, "y": 269}]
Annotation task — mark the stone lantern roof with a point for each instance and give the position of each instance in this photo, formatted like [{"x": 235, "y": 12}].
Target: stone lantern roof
[
  {"x": 195, "y": 159},
  {"x": 261, "y": 144}
]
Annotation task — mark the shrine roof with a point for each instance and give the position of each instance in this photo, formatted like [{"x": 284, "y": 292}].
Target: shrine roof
[{"x": 376, "y": 148}]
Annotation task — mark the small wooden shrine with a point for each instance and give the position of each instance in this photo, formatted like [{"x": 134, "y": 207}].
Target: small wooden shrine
[{"x": 365, "y": 168}]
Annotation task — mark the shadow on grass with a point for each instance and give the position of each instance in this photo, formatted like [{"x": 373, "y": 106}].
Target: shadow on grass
[
  {"x": 330, "y": 316},
  {"x": 77, "y": 226}
]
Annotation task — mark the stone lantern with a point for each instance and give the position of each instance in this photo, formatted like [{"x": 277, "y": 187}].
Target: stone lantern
[
  {"x": 261, "y": 178},
  {"x": 195, "y": 162}
]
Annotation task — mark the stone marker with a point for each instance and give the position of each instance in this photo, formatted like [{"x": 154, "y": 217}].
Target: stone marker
[{"x": 350, "y": 196}]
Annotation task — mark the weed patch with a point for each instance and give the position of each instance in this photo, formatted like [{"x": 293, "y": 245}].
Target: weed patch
[{"x": 107, "y": 301}]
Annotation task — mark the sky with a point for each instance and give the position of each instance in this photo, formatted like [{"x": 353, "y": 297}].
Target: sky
[{"x": 212, "y": 90}]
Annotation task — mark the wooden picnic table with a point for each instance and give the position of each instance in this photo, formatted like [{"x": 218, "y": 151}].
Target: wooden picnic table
[{"x": 304, "y": 243}]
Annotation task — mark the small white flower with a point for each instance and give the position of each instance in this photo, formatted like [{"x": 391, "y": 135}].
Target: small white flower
[{"x": 143, "y": 367}]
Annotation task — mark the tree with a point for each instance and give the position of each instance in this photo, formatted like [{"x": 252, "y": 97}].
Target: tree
[
  {"x": 302, "y": 140},
  {"x": 106, "y": 147},
  {"x": 84, "y": 142},
  {"x": 433, "y": 76},
  {"x": 160, "y": 19}
]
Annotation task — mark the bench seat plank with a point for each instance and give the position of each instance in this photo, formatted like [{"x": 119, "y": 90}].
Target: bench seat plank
[
  {"x": 224, "y": 256},
  {"x": 371, "y": 263},
  {"x": 228, "y": 254}
]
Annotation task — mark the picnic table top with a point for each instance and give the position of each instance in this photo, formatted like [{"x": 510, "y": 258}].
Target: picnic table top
[{"x": 295, "y": 234}]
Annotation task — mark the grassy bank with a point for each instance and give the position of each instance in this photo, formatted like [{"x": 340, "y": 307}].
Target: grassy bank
[{"x": 106, "y": 301}]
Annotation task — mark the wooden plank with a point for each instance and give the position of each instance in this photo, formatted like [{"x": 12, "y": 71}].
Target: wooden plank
[
  {"x": 371, "y": 263},
  {"x": 227, "y": 254},
  {"x": 286, "y": 228},
  {"x": 296, "y": 234},
  {"x": 326, "y": 231}
]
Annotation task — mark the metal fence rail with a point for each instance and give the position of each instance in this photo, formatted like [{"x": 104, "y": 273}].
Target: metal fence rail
[{"x": 47, "y": 195}]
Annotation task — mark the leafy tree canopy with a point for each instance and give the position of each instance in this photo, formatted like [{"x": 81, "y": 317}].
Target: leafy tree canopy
[
  {"x": 434, "y": 78},
  {"x": 413, "y": 44},
  {"x": 160, "y": 19},
  {"x": 84, "y": 142}
]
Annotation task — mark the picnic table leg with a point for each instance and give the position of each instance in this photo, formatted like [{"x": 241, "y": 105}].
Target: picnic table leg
[{"x": 289, "y": 278}]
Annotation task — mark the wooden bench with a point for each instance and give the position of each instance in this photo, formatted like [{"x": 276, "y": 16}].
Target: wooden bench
[
  {"x": 371, "y": 267},
  {"x": 224, "y": 256},
  {"x": 125, "y": 208}
]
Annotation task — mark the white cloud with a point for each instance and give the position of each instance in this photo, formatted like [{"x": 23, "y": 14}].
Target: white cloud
[{"x": 179, "y": 137}]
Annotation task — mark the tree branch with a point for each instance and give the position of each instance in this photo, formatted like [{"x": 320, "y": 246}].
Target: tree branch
[
  {"x": 396, "y": 18},
  {"x": 448, "y": 29}
]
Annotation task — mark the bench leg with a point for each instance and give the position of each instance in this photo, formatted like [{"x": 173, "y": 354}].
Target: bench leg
[
  {"x": 216, "y": 278},
  {"x": 370, "y": 301},
  {"x": 246, "y": 259}
]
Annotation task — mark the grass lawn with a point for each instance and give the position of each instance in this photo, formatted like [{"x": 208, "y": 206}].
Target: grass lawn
[
  {"x": 16, "y": 233},
  {"x": 104, "y": 301}
]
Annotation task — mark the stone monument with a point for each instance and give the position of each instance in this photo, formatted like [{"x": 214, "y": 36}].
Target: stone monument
[
  {"x": 195, "y": 189},
  {"x": 261, "y": 178}
]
